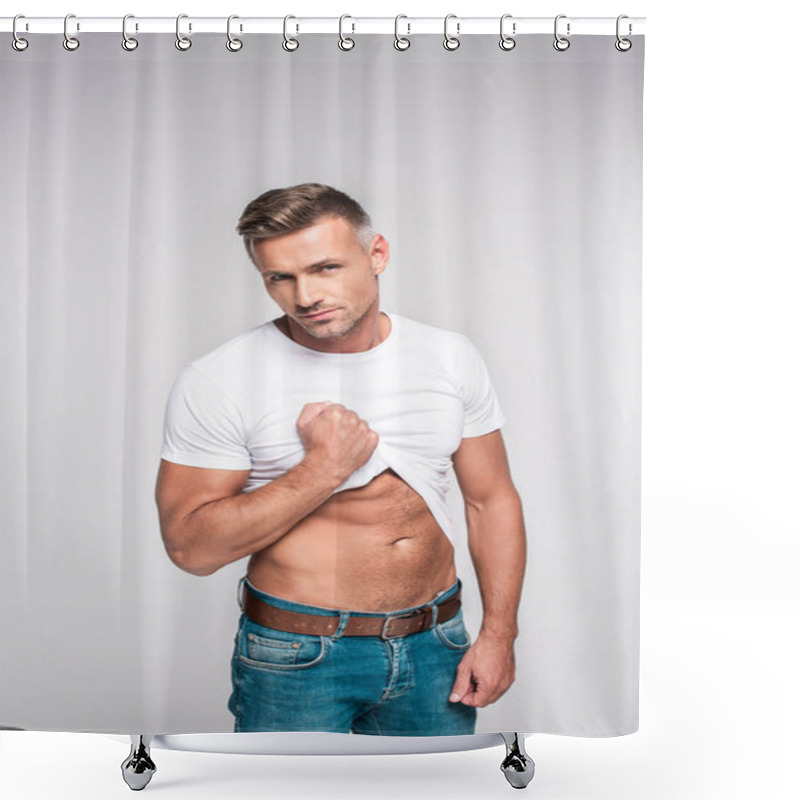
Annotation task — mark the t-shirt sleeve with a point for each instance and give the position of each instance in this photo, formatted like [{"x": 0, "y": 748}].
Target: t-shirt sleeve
[
  {"x": 482, "y": 412},
  {"x": 202, "y": 425}
]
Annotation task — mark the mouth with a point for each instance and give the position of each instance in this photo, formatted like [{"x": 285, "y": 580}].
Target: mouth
[{"x": 320, "y": 314}]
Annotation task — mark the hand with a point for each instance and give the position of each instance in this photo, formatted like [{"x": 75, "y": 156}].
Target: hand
[
  {"x": 335, "y": 438},
  {"x": 485, "y": 672}
]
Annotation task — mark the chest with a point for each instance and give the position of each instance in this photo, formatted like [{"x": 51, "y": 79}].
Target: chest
[{"x": 414, "y": 409}]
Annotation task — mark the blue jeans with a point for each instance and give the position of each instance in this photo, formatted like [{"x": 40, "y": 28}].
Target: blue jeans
[{"x": 342, "y": 684}]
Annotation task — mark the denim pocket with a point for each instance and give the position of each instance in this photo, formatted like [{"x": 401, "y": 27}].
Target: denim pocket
[
  {"x": 267, "y": 648},
  {"x": 453, "y": 633}
]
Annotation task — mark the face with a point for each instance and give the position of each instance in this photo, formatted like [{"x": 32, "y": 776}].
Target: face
[{"x": 322, "y": 277}]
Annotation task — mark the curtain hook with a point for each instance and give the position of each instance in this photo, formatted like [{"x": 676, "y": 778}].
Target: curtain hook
[
  {"x": 70, "y": 42},
  {"x": 233, "y": 44},
  {"x": 400, "y": 42},
  {"x": 561, "y": 43},
  {"x": 182, "y": 42},
  {"x": 128, "y": 42},
  {"x": 289, "y": 44},
  {"x": 18, "y": 43},
  {"x": 623, "y": 45},
  {"x": 345, "y": 42},
  {"x": 451, "y": 42},
  {"x": 507, "y": 42}
]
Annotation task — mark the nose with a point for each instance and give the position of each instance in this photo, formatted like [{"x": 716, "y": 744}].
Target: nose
[{"x": 307, "y": 295}]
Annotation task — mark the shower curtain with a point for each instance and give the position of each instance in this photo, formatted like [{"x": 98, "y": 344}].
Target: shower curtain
[{"x": 508, "y": 187}]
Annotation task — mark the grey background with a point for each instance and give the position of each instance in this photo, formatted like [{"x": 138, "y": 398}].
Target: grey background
[{"x": 509, "y": 187}]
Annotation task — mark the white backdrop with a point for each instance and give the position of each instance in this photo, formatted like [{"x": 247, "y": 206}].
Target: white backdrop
[{"x": 719, "y": 468}]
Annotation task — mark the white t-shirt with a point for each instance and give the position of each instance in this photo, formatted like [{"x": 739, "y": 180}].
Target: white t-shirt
[{"x": 421, "y": 390}]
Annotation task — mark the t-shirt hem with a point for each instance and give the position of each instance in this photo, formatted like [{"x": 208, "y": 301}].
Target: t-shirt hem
[
  {"x": 487, "y": 427},
  {"x": 207, "y": 462}
]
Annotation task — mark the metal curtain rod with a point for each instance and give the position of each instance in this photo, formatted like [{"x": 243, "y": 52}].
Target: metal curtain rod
[{"x": 250, "y": 25}]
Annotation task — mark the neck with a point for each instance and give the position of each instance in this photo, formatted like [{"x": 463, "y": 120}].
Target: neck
[{"x": 369, "y": 332}]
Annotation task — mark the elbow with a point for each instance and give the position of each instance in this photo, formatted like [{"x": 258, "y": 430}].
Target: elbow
[
  {"x": 189, "y": 559},
  {"x": 192, "y": 566}
]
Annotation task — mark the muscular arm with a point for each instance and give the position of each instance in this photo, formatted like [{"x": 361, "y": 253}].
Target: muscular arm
[
  {"x": 207, "y": 523},
  {"x": 206, "y": 520},
  {"x": 496, "y": 537}
]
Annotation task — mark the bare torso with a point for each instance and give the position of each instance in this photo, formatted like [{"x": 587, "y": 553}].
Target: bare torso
[{"x": 375, "y": 548}]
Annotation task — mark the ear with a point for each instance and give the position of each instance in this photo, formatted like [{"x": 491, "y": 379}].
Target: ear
[{"x": 379, "y": 254}]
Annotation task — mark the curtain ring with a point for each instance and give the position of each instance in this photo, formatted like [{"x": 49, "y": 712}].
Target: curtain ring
[
  {"x": 623, "y": 45},
  {"x": 289, "y": 44},
  {"x": 182, "y": 42},
  {"x": 345, "y": 42},
  {"x": 233, "y": 44},
  {"x": 18, "y": 43},
  {"x": 451, "y": 42},
  {"x": 70, "y": 42},
  {"x": 400, "y": 42},
  {"x": 561, "y": 43},
  {"x": 507, "y": 42},
  {"x": 128, "y": 42}
]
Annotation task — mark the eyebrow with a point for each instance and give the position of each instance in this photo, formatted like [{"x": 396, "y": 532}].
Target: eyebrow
[{"x": 316, "y": 264}]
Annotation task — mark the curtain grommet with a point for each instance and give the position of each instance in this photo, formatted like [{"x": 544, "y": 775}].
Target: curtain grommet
[
  {"x": 183, "y": 43},
  {"x": 623, "y": 45},
  {"x": 70, "y": 43},
  {"x": 451, "y": 42},
  {"x": 345, "y": 42},
  {"x": 561, "y": 43},
  {"x": 17, "y": 42},
  {"x": 289, "y": 43},
  {"x": 233, "y": 44},
  {"x": 507, "y": 42},
  {"x": 401, "y": 43},
  {"x": 129, "y": 43}
]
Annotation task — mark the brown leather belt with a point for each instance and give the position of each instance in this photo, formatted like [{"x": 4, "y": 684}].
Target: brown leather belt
[{"x": 391, "y": 626}]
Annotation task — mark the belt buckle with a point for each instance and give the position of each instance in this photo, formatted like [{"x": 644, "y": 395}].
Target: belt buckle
[{"x": 426, "y": 612}]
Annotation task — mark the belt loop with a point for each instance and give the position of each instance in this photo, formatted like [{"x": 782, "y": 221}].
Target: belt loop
[
  {"x": 239, "y": 592},
  {"x": 434, "y": 604},
  {"x": 344, "y": 618}
]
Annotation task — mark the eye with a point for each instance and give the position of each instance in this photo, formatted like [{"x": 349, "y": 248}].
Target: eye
[
  {"x": 331, "y": 266},
  {"x": 275, "y": 278}
]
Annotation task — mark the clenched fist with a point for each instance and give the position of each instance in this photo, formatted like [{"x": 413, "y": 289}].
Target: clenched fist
[{"x": 335, "y": 438}]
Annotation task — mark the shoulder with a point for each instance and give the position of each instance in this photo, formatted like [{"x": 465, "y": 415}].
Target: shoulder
[
  {"x": 225, "y": 369},
  {"x": 432, "y": 339}
]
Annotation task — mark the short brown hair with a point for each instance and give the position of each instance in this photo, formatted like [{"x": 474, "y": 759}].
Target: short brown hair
[{"x": 281, "y": 211}]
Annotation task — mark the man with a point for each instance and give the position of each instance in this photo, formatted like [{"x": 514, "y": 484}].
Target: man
[{"x": 318, "y": 445}]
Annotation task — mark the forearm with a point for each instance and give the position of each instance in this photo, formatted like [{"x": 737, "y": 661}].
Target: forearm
[
  {"x": 225, "y": 530},
  {"x": 496, "y": 534}
]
